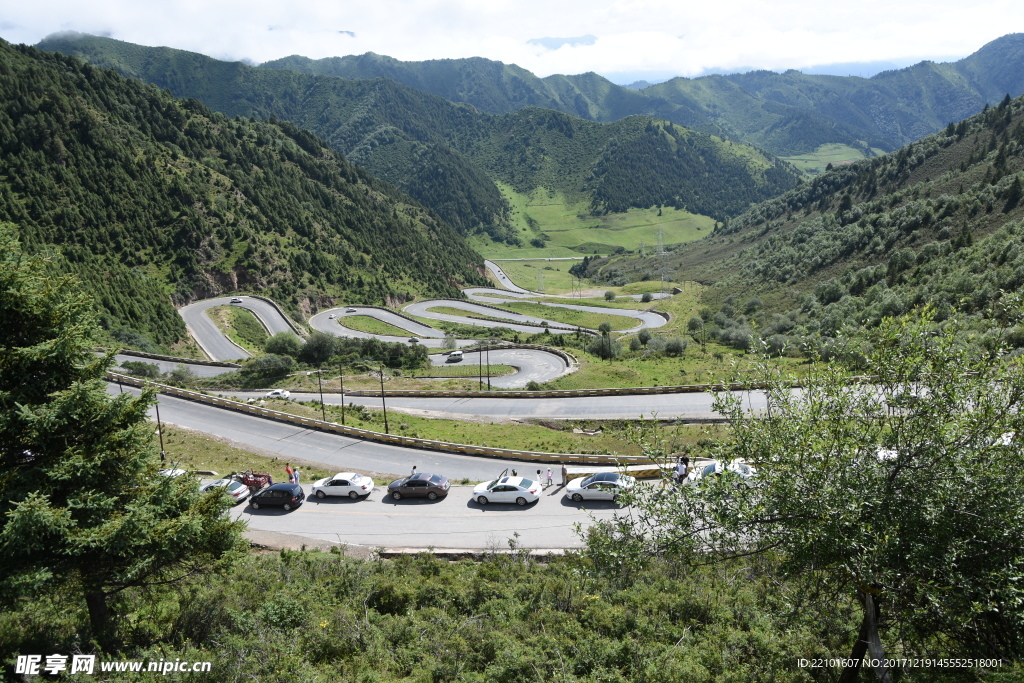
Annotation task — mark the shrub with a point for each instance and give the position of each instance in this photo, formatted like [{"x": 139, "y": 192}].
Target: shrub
[
  {"x": 283, "y": 344},
  {"x": 318, "y": 349},
  {"x": 675, "y": 346},
  {"x": 140, "y": 369},
  {"x": 609, "y": 295},
  {"x": 271, "y": 365}
]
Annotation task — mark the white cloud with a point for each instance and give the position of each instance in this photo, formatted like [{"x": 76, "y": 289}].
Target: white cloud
[{"x": 632, "y": 35}]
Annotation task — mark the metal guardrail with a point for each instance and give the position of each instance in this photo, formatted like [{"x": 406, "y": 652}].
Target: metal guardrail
[
  {"x": 560, "y": 393},
  {"x": 173, "y": 359},
  {"x": 378, "y": 437}
]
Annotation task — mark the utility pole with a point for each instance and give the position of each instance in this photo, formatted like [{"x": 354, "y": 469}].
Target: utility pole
[
  {"x": 342, "y": 379},
  {"x": 382, "y": 403},
  {"x": 320, "y": 381},
  {"x": 159, "y": 430},
  {"x": 480, "y": 369},
  {"x": 488, "y": 365}
]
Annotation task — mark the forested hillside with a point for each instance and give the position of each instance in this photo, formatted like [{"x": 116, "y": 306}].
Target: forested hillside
[
  {"x": 787, "y": 113},
  {"x": 153, "y": 201},
  {"x": 937, "y": 223},
  {"x": 448, "y": 156}
]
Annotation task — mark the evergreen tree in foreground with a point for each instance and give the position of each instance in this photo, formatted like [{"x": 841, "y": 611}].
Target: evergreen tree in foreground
[{"x": 81, "y": 503}]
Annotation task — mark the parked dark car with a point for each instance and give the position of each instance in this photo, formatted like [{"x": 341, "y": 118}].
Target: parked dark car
[
  {"x": 288, "y": 496},
  {"x": 431, "y": 486}
]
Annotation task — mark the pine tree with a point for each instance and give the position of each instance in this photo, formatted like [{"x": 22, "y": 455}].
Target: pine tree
[{"x": 82, "y": 503}]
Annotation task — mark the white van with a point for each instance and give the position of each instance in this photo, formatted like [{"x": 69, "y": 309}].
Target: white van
[{"x": 454, "y": 356}]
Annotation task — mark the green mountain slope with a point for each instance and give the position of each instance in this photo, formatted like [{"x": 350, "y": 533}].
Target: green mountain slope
[
  {"x": 448, "y": 156},
  {"x": 153, "y": 201},
  {"x": 938, "y": 223},
  {"x": 788, "y": 113}
]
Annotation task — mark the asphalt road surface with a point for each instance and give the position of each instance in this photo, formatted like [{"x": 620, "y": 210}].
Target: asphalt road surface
[
  {"x": 692, "y": 406},
  {"x": 532, "y": 365},
  {"x": 451, "y": 522},
  {"x": 332, "y": 451},
  {"x": 198, "y": 369}
]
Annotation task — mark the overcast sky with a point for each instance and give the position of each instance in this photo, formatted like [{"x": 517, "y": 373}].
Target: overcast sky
[{"x": 656, "y": 38}]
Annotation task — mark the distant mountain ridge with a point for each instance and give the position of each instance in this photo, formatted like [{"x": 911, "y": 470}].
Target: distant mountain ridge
[
  {"x": 449, "y": 156},
  {"x": 786, "y": 113}
]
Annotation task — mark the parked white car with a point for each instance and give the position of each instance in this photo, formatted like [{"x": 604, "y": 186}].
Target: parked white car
[
  {"x": 601, "y": 486},
  {"x": 518, "y": 490},
  {"x": 743, "y": 470},
  {"x": 343, "y": 484},
  {"x": 235, "y": 489}
]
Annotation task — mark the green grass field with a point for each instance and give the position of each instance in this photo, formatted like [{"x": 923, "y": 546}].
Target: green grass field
[
  {"x": 717, "y": 365},
  {"x": 460, "y": 370},
  {"x": 815, "y": 162},
  {"x": 193, "y": 450},
  {"x": 573, "y": 232},
  {"x": 553, "y": 276},
  {"x": 370, "y": 325}
]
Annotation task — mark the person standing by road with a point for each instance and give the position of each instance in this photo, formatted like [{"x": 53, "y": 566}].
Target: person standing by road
[
  {"x": 296, "y": 474},
  {"x": 290, "y": 472},
  {"x": 682, "y": 469},
  {"x": 549, "y": 476}
]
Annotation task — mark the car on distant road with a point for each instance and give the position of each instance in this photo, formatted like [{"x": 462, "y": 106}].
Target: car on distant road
[
  {"x": 331, "y": 316},
  {"x": 454, "y": 357},
  {"x": 236, "y": 300},
  {"x": 350, "y": 310},
  {"x": 283, "y": 495},
  {"x": 518, "y": 490},
  {"x": 423, "y": 485},
  {"x": 413, "y": 340},
  {"x": 600, "y": 486},
  {"x": 235, "y": 489},
  {"x": 343, "y": 484},
  {"x": 278, "y": 393}
]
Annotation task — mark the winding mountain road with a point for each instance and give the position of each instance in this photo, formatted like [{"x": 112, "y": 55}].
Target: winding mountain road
[{"x": 209, "y": 336}]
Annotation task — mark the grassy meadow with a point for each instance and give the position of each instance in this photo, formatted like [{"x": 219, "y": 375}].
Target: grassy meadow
[
  {"x": 815, "y": 162},
  {"x": 370, "y": 325},
  {"x": 568, "y": 229}
]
